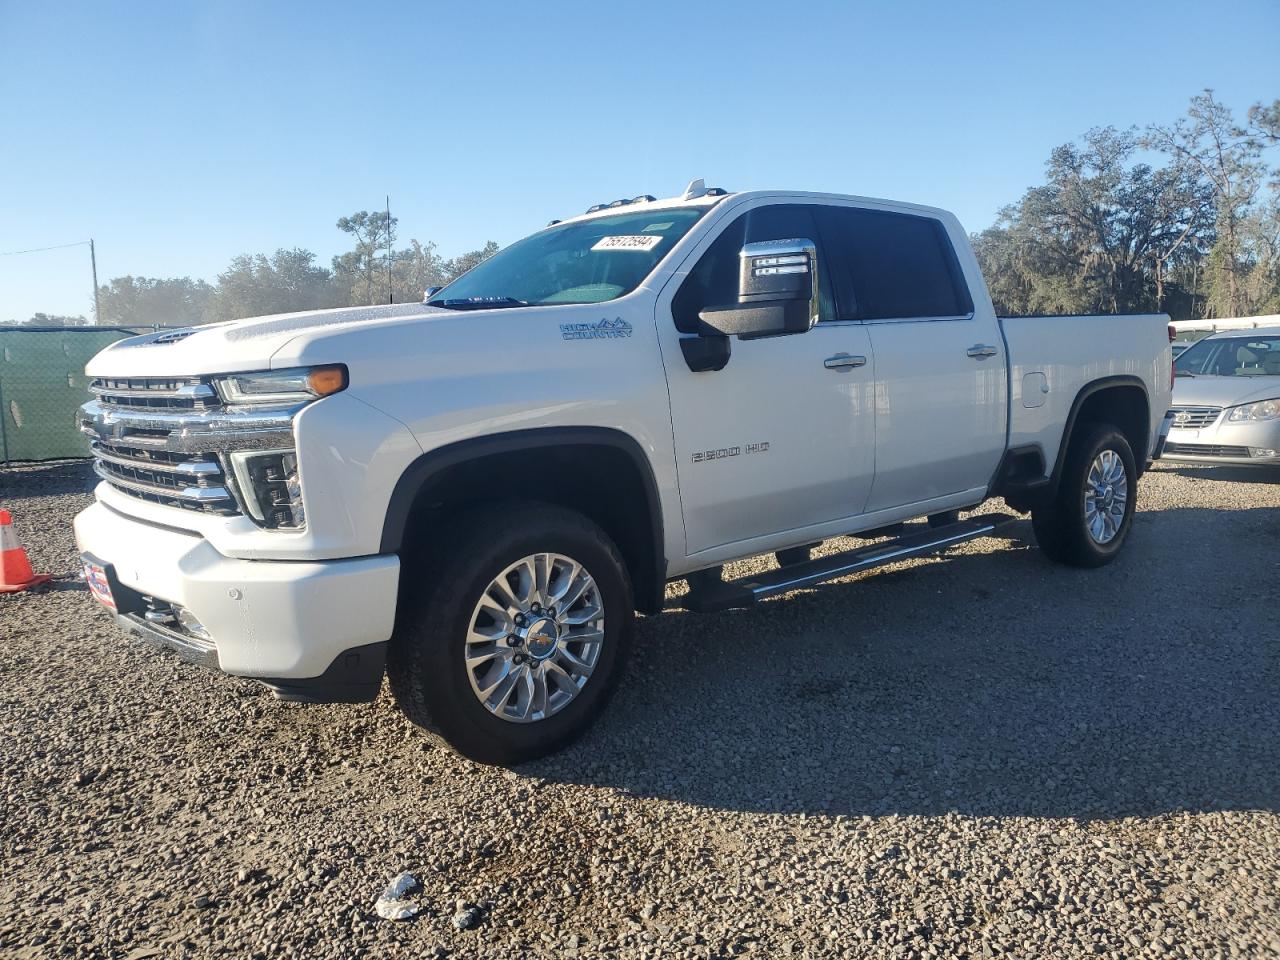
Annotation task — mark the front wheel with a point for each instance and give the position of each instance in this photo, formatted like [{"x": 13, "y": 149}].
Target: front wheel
[
  {"x": 1088, "y": 520},
  {"x": 511, "y": 640}
]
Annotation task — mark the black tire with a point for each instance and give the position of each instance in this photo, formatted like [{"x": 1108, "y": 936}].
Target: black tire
[
  {"x": 1060, "y": 525},
  {"x": 427, "y": 667}
]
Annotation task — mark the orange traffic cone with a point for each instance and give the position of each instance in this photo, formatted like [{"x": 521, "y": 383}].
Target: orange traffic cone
[{"x": 15, "y": 568}]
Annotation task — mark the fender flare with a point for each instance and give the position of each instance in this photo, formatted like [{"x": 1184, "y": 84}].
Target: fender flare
[
  {"x": 1022, "y": 488},
  {"x": 1085, "y": 392},
  {"x": 421, "y": 471}
]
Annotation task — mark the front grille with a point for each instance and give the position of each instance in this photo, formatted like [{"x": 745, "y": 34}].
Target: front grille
[
  {"x": 135, "y": 457},
  {"x": 1206, "y": 450},
  {"x": 154, "y": 393},
  {"x": 1194, "y": 418}
]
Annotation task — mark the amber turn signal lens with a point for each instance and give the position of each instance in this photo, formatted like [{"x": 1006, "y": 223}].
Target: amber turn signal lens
[{"x": 326, "y": 380}]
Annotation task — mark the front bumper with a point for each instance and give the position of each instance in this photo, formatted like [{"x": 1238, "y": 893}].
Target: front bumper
[
  {"x": 311, "y": 630},
  {"x": 1226, "y": 443}
]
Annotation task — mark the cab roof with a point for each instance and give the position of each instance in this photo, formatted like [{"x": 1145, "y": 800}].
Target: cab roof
[{"x": 698, "y": 195}]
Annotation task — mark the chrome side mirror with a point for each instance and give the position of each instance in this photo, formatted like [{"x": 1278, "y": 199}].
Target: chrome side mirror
[{"x": 777, "y": 292}]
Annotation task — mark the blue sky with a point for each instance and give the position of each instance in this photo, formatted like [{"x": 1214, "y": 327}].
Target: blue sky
[{"x": 180, "y": 134}]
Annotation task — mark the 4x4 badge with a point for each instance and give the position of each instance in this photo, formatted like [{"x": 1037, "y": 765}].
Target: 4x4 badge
[{"x": 606, "y": 329}]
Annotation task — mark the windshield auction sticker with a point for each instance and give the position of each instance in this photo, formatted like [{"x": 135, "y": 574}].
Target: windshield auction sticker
[{"x": 632, "y": 242}]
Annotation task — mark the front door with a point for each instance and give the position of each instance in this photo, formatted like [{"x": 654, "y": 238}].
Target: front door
[{"x": 783, "y": 437}]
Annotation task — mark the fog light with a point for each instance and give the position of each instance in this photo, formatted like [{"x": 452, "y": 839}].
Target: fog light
[
  {"x": 190, "y": 624},
  {"x": 271, "y": 487},
  {"x": 1261, "y": 452}
]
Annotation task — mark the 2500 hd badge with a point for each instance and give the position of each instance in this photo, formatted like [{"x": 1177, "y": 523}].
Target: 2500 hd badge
[{"x": 723, "y": 453}]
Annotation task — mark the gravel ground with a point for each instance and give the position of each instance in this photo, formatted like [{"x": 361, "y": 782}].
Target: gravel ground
[{"x": 980, "y": 755}]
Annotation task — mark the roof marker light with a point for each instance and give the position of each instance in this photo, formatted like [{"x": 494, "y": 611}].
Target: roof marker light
[{"x": 695, "y": 189}]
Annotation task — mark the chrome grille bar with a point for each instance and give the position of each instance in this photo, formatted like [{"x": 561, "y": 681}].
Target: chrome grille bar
[
  {"x": 141, "y": 460},
  {"x": 1206, "y": 450},
  {"x": 1194, "y": 418},
  {"x": 154, "y": 393},
  {"x": 190, "y": 432},
  {"x": 209, "y": 499}
]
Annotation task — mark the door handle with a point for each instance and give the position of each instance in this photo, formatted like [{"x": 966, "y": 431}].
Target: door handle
[
  {"x": 980, "y": 351},
  {"x": 843, "y": 361}
]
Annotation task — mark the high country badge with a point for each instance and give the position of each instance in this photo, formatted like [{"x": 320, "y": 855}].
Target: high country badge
[{"x": 617, "y": 329}]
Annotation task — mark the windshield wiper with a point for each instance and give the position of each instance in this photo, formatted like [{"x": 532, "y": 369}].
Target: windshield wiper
[
  {"x": 1184, "y": 373},
  {"x": 477, "y": 303}
]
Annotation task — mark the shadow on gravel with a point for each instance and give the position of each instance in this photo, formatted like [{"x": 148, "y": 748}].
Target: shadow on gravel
[
  {"x": 46, "y": 479},
  {"x": 990, "y": 684}
]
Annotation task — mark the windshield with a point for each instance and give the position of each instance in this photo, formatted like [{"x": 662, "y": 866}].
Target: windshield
[
  {"x": 1231, "y": 357},
  {"x": 586, "y": 262}
]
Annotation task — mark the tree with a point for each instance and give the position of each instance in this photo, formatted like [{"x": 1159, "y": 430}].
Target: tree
[
  {"x": 1101, "y": 235},
  {"x": 415, "y": 269},
  {"x": 420, "y": 266},
  {"x": 56, "y": 320},
  {"x": 1264, "y": 123},
  {"x": 288, "y": 280},
  {"x": 1210, "y": 146},
  {"x": 461, "y": 264},
  {"x": 1260, "y": 232},
  {"x": 145, "y": 301},
  {"x": 363, "y": 270}
]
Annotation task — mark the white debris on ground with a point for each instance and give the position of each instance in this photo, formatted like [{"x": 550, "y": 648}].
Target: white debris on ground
[{"x": 392, "y": 904}]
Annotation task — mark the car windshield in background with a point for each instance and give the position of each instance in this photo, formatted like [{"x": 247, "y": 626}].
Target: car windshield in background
[
  {"x": 586, "y": 262},
  {"x": 1231, "y": 357}
]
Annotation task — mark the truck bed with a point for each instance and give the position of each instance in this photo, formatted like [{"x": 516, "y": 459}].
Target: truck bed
[{"x": 1052, "y": 357}]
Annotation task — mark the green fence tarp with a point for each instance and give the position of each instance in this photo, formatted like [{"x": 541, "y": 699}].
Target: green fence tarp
[{"x": 42, "y": 382}]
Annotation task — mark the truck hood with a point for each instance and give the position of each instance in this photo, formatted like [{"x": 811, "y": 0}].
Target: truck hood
[
  {"x": 1204, "y": 391},
  {"x": 238, "y": 345}
]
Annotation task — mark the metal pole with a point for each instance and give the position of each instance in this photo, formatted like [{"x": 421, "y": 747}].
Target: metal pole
[
  {"x": 93, "y": 261},
  {"x": 389, "y": 295}
]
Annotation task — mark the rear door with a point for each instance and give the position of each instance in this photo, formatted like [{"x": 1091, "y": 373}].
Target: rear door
[{"x": 940, "y": 384}]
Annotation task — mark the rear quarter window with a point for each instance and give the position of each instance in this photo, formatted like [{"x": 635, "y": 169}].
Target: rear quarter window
[{"x": 892, "y": 266}]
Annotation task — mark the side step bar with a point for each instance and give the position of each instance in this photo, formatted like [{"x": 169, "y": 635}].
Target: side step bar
[{"x": 744, "y": 593}]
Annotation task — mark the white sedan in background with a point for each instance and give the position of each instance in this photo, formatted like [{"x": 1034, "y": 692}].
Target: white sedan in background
[{"x": 1226, "y": 400}]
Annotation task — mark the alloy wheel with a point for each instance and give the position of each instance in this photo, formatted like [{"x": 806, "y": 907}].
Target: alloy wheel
[{"x": 535, "y": 637}]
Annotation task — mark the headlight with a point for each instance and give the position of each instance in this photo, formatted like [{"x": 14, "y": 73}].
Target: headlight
[
  {"x": 296, "y": 385},
  {"x": 267, "y": 482},
  {"x": 1262, "y": 410},
  {"x": 271, "y": 487}
]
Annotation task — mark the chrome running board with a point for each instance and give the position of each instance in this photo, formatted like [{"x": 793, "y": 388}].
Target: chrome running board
[{"x": 750, "y": 590}]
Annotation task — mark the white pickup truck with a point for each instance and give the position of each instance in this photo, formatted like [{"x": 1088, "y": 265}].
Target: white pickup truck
[{"x": 475, "y": 495}]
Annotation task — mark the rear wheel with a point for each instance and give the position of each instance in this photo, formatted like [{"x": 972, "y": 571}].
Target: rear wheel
[
  {"x": 1088, "y": 520},
  {"x": 518, "y": 634}
]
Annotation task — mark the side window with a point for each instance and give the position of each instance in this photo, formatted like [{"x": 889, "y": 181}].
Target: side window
[
  {"x": 713, "y": 282},
  {"x": 892, "y": 265}
]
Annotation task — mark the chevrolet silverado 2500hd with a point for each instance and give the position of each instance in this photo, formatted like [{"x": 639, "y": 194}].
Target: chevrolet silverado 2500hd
[{"x": 474, "y": 495}]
